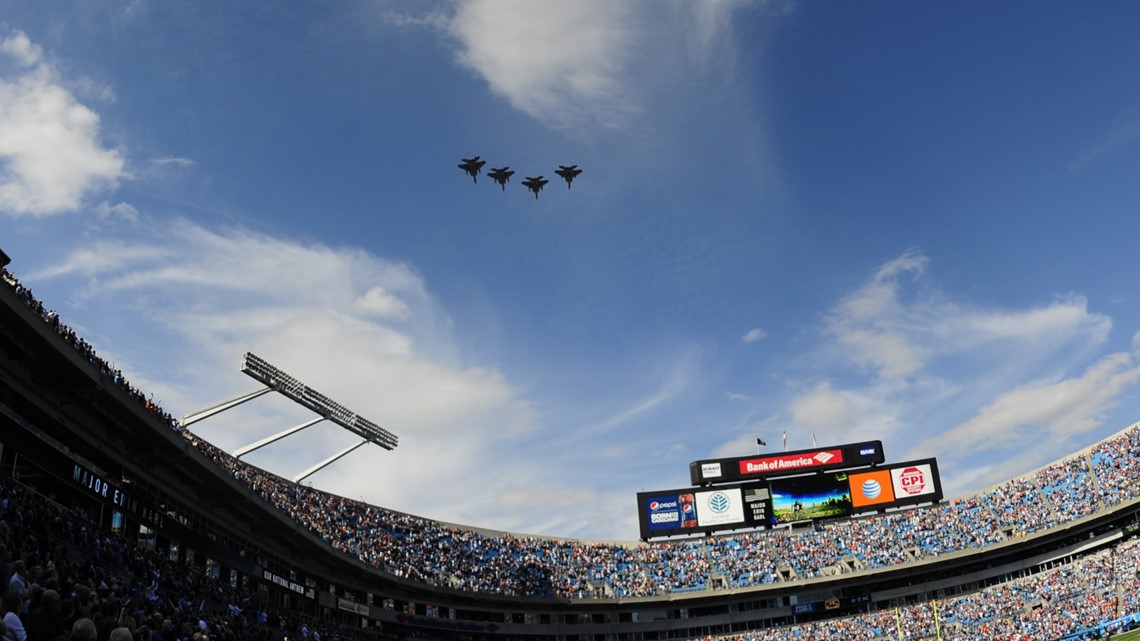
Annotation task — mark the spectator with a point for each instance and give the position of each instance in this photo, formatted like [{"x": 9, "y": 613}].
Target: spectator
[
  {"x": 46, "y": 623},
  {"x": 19, "y": 580},
  {"x": 15, "y": 627},
  {"x": 83, "y": 630}
]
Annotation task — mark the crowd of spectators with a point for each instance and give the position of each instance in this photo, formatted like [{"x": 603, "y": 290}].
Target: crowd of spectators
[
  {"x": 85, "y": 349},
  {"x": 469, "y": 559},
  {"x": 69, "y": 580},
  {"x": 427, "y": 551},
  {"x": 66, "y": 579}
]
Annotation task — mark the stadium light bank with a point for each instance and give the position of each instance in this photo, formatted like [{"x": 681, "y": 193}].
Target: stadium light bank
[{"x": 276, "y": 380}]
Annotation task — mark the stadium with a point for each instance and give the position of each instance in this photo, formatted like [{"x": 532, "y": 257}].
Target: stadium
[{"x": 109, "y": 499}]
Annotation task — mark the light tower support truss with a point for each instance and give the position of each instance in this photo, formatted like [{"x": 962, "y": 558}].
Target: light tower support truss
[
  {"x": 242, "y": 451},
  {"x": 218, "y": 408},
  {"x": 325, "y": 463},
  {"x": 276, "y": 380},
  {"x": 260, "y": 370}
]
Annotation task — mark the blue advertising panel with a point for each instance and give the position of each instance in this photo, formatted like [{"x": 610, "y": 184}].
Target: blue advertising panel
[
  {"x": 688, "y": 511},
  {"x": 669, "y": 511}
]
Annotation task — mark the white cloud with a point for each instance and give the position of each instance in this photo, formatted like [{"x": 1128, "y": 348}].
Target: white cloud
[
  {"x": 925, "y": 362},
  {"x": 380, "y": 303},
  {"x": 183, "y": 303},
  {"x": 867, "y": 323},
  {"x": 121, "y": 211},
  {"x": 557, "y": 61},
  {"x": 22, "y": 50},
  {"x": 49, "y": 142},
  {"x": 585, "y": 63},
  {"x": 896, "y": 326},
  {"x": 823, "y": 411},
  {"x": 1043, "y": 411},
  {"x": 173, "y": 161},
  {"x": 676, "y": 374},
  {"x": 754, "y": 335},
  {"x": 1123, "y": 132}
]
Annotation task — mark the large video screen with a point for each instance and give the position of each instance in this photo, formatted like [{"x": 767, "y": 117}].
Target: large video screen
[{"x": 817, "y": 496}]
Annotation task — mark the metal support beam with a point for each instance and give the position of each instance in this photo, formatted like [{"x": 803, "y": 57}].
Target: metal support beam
[
  {"x": 240, "y": 452},
  {"x": 223, "y": 406},
  {"x": 329, "y": 461}
]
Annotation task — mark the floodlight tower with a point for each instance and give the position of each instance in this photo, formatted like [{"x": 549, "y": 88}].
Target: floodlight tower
[{"x": 278, "y": 381}]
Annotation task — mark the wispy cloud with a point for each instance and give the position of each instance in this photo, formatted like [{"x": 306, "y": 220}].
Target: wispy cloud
[
  {"x": 119, "y": 211},
  {"x": 898, "y": 322},
  {"x": 362, "y": 329},
  {"x": 578, "y": 64},
  {"x": 922, "y": 362},
  {"x": 173, "y": 161},
  {"x": 676, "y": 375},
  {"x": 869, "y": 324},
  {"x": 1042, "y": 410},
  {"x": 823, "y": 410},
  {"x": 754, "y": 335},
  {"x": 49, "y": 142},
  {"x": 556, "y": 61},
  {"x": 1125, "y": 131}
]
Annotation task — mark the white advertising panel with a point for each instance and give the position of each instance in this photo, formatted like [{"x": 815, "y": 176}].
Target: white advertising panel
[
  {"x": 912, "y": 480},
  {"x": 720, "y": 507}
]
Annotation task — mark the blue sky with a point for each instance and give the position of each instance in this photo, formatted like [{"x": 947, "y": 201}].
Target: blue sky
[{"x": 911, "y": 222}]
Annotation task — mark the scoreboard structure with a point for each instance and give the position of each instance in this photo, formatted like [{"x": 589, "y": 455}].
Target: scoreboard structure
[
  {"x": 763, "y": 491},
  {"x": 817, "y": 459}
]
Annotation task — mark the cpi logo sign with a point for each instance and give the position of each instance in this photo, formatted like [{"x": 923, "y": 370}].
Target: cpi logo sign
[{"x": 913, "y": 480}]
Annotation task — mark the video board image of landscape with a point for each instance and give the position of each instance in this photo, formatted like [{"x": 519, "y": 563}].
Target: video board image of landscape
[{"x": 818, "y": 496}]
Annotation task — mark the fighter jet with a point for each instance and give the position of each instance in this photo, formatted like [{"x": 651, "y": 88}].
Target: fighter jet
[
  {"x": 472, "y": 167},
  {"x": 501, "y": 175},
  {"x": 535, "y": 184},
  {"x": 568, "y": 173}
]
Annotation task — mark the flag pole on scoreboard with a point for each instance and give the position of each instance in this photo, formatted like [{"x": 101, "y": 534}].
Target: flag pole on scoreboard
[{"x": 785, "y": 440}]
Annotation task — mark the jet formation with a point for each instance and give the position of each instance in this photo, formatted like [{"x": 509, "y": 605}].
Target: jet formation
[{"x": 502, "y": 175}]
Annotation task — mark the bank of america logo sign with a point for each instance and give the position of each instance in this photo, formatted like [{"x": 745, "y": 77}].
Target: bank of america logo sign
[{"x": 824, "y": 457}]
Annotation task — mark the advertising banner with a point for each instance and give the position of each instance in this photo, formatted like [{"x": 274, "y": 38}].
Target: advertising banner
[
  {"x": 770, "y": 465},
  {"x": 871, "y": 488},
  {"x": 913, "y": 480},
  {"x": 687, "y": 511},
  {"x": 896, "y": 485},
  {"x": 669, "y": 512},
  {"x": 790, "y": 463},
  {"x": 719, "y": 507}
]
